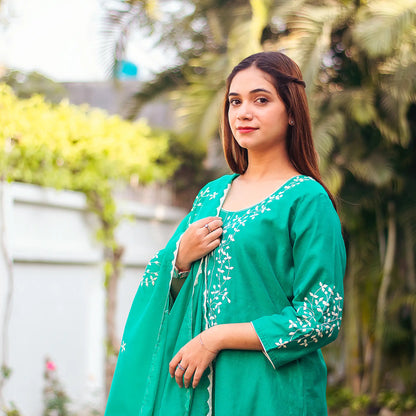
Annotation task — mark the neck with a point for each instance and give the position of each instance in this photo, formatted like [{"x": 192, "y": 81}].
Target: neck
[{"x": 270, "y": 165}]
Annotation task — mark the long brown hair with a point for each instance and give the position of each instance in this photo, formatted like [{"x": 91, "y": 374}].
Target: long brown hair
[{"x": 287, "y": 79}]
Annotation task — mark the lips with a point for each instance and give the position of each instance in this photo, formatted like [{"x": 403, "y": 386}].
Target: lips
[{"x": 246, "y": 129}]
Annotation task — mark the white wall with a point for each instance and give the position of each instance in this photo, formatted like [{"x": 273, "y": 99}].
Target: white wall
[{"x": 58, "y": 295}]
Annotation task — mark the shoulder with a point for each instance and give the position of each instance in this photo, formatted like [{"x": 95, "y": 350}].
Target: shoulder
[
  {"x": 213, "y": 189},
  {"x": 305, "y": 186},
  {"x": 220, "y": 183},
  {"x": 305, "y": 190},
  {"x": 310, "y": 199}
]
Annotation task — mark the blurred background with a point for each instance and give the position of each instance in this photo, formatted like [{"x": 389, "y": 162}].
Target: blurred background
[{"x": 109, "y": 119}]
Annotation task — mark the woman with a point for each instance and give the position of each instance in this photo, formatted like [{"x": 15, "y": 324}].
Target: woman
[{"x": 230, "y": 317}]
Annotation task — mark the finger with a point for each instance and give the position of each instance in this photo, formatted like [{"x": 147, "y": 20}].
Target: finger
[
  {"x": 212, "y": 245},
  {"x": 197, "y": 376},
  {"x": 179, "y": 372},
  {"x": 215, "y": 224},
  {"x": 212, "y": 225},
  {"x": 179, "y": 375},
  {"x": 174, "y": 364},
  {"x": 213, "y": 235},
  {"x": 187, "y": 377},
  {"x": 206, "y": 220}
]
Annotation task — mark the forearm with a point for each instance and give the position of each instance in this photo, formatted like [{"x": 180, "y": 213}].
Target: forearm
[
  {"x": 193, "y": 358},
  {"x": 239, "y": 336}
]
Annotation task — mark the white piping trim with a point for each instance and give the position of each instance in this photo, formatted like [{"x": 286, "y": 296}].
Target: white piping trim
[
  {"x": 263, "y": 349},
  {"x": 211, "y": 367},
  {"x": 223, "y": 198},
  {"x": 175, "y": 255}
]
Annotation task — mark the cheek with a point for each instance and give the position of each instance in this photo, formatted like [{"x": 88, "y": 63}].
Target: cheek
[
  {"x": 231, "y": 119},
  {"x": 230, "y": 116}
]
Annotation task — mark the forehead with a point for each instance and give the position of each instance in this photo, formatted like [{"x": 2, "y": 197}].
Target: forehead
[{"x": 250, "y": 79}]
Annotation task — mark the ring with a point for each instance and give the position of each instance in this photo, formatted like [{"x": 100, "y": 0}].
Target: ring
[
  {"x": 207, "y": 227},
  {"x": 180, "y": 367}
]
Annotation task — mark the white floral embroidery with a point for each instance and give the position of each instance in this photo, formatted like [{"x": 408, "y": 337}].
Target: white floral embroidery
[
  {"x": 218, "y": 294},
  {"x": 123, "y": 346},
  {"x": 151, "y": 274},
  {"x": 281, "y": 343},
  {"x": 206, "y": 193},
  {"x": 319, "y": 316}
]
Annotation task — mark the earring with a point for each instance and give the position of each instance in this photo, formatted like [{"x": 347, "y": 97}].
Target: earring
[{"x": 292, "y": 122}]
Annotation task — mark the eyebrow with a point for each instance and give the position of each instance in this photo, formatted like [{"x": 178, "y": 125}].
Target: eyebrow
[{"x": 251, "y": 92}]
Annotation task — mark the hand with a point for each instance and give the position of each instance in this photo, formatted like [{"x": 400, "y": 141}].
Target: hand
[
  {"x": 198, "y": 240},
  {"x": 192, "y": 360}
]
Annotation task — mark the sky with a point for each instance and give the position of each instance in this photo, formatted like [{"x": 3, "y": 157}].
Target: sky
[{"x": 62, "y": 39}]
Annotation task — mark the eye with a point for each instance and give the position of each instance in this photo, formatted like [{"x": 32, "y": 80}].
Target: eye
[
  {"x": 262, "y": 100},
  {"x": 234, "y": 101}
]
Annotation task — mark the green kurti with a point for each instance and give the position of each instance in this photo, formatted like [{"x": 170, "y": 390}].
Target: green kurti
[{"x": 280, "y": 266}]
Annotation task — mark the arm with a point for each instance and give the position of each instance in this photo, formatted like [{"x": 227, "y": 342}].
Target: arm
[
  {"x": 197, "y": 354},
  {"x": 196, "y": 242},
  {"x": 314, "y": 317}
]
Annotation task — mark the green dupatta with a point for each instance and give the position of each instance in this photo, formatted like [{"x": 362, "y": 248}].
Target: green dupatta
[{"x": 157, "y": 328}]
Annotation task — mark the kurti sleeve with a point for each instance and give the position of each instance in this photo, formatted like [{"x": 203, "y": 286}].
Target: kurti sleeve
[{"x": 313, "y": 317}]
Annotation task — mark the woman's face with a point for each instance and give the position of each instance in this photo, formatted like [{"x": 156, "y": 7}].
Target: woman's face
[{"x": 257, "y": 116}]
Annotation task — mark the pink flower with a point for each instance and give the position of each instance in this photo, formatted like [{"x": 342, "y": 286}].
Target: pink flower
[{"x": 50, "y": 365}]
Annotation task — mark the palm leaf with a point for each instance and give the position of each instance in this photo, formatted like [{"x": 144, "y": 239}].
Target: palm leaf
[
  {"x": 197, "y": 104},
  {"x": 382, "y": 24},
  {"x": 397, "y": 73},
  {"x": 310, "y": 28},
  {"x": 120, "y": 18},
  {"x": 328, "y": 131},
  {"x": 374, "y": 169},
  {"x": 168, "y": 80}
]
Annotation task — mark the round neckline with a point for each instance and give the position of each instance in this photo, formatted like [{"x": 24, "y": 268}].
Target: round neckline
[{"x": 264, "y": 199}]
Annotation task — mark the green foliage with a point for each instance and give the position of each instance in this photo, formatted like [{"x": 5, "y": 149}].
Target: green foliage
[
  {"x": 27, "y": 84},
  {"x": 54, "y": 396},
  {"x": 12, "y": 411},
  {"x": 192, "y": 172},
  {"x": 359, "y": 61},
  {"x": 64, "y": 146},
  {"x": 82, "y": 149},
  {"x": 342, "y": 400},
  {"x": 206, "y": 35},
  {"x": 5, "y": 372}
]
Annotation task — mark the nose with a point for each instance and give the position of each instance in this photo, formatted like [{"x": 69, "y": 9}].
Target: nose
[{"x": 244, "y": 114}]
